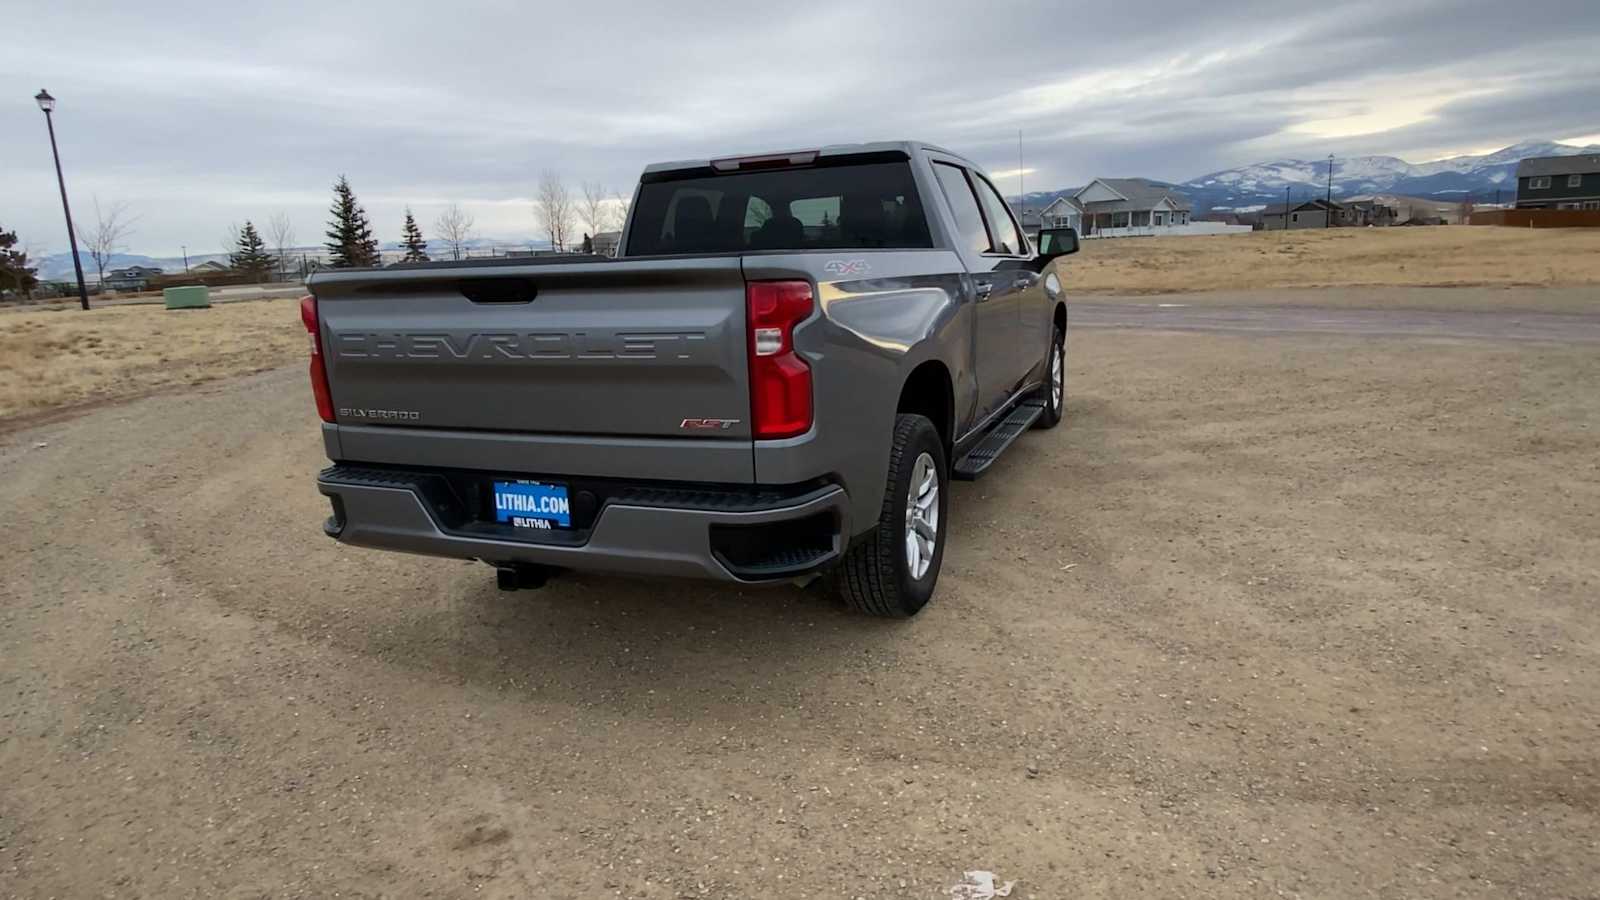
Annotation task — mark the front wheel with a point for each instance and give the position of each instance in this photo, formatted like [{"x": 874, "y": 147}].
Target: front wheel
[
  {"x": 1055, "y": 388},
  {"x": 893, "y": 569}
]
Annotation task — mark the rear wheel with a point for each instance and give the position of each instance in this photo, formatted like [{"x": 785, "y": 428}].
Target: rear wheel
[
  {"x": 1055, "y": 386},
  {"x": 893, "y": 569}
]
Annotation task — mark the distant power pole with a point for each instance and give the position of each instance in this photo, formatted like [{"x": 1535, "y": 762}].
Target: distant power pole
[
  {"x": 1327, "y": 217},
  {"x": 1286, "y": 207}
]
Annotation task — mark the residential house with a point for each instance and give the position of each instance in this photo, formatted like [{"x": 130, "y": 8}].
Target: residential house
[
  {"x": 1370, "y": 212},
  {"x": 1062, "y": 212},
  {"x": 1029, "y": 219},
  {"x": 605, "y": 243},
  {"x": 210, "y": 266},
  {"x": 1131, "y": 203},
  {"x": 129, "y": 278},
  {"x": 1559, "y": 182},
  {"x": 1404, "y": 209},
  {"x": 1314, "y": 213}
]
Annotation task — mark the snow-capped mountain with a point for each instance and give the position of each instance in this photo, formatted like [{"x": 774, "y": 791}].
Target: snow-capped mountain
[
  {"x": 1481, "y": 177},
  {"x": 1248, "y": 188}
]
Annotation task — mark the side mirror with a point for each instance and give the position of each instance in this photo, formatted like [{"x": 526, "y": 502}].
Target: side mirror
[{"x": 1054, "y": 242}]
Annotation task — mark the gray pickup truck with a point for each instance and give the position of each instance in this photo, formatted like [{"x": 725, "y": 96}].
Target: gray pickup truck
[{"x": 774, "y": 380}]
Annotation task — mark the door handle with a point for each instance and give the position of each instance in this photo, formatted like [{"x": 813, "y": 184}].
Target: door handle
[{"x": 984, "y": 289}]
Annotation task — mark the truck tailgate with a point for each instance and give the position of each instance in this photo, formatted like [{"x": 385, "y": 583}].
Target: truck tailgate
[{"x": 650, "y": 348}]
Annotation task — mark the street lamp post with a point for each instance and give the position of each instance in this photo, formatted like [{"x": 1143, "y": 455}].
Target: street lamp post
[{"x": 48, "y": 103}]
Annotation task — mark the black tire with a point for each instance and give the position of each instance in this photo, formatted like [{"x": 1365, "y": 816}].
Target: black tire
[
  {"x": 875, "y": 576},
  {"x": 1055, "y": 402}
]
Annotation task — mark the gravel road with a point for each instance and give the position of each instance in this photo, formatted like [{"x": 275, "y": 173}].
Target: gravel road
[{"x": 1296, "y": 616}]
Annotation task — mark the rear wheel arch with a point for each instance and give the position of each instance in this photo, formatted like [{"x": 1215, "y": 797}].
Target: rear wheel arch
[{"x": 929, "y": 392}]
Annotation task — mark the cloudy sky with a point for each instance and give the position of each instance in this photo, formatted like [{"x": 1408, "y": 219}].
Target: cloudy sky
[{"x": 201, "y": 115}]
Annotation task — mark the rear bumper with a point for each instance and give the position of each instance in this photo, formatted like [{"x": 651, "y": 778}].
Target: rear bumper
[{"x": 723, "y": 533}]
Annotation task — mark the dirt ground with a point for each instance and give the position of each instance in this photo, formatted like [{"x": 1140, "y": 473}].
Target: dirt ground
[
  {"x": 1442, "y": 256},
  {"x": 51, "y": 359},
  {"x": 1268, "y": 616}
]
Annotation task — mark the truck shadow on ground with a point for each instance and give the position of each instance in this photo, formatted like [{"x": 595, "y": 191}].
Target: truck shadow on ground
[{"x": 603, "y": 639}]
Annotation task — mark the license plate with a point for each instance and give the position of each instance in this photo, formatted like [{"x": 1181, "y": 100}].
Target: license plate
[{"x": 532, "y": 504}]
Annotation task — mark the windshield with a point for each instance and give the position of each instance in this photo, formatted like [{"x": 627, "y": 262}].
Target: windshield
[{"x": 835, "y": 207}]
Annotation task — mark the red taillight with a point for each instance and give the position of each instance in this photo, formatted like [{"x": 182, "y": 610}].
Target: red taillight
[
  {"x": 319, "y": 372},
  {"x": 780, "y": 380}
]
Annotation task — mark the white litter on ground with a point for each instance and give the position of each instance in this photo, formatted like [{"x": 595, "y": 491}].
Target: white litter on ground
[
  {"x": 979, "y": 885},
  {"x": 1172, "y": 305}
]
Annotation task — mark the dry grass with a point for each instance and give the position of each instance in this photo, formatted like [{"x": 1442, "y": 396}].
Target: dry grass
[
  {"x": 55, "y": 359},
  {"x": 1444, "y": 256}
]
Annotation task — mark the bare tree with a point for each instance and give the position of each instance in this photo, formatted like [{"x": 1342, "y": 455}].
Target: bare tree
[
  {"x": 619, "y": 211},
  {"x": 105, "y": 235},
  {"x": 230, "y": 238},
  {"x": 594, "y": 209},
  {"x": 280, "y": 231},
  {"x": 454, "y": 227},
  {"x": 552, "y": 209}
]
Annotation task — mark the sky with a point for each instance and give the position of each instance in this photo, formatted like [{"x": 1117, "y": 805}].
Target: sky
[{"x": 199, "y": 116}]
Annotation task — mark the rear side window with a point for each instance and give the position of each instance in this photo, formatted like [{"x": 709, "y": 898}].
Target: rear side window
[
  {"x": 840, "y": 206},
  {"x": 969, "y": 222}
]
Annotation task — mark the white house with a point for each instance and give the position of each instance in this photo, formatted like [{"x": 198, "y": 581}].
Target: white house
[
  {"x": 1118, "y": 203},
  {"x": 1062, "y": 212}
]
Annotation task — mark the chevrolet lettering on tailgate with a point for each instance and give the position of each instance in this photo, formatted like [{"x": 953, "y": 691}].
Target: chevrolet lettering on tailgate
[{"x": 422, "y": 346}]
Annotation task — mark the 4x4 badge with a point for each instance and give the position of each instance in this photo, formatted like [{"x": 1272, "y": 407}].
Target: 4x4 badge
[{"x": 846, "y": 267}]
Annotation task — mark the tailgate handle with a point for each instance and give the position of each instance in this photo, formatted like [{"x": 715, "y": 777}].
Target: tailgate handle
[{"x": 499, "y": 290}]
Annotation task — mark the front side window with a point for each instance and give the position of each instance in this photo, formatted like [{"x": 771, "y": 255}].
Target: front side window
[
  {"x": 1001, "y": 224},
  {"x": 969, "y": 222}
]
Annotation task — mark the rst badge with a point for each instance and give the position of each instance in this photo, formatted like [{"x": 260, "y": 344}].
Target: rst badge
[{"x": 707, "y": 424}]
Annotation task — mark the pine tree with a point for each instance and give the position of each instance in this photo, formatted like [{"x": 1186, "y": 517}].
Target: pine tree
[
  {"x": 15, "y": 273},
  {"x": 350, "y": 241},
  {"x": 250, "y": 253},
  {"x": 416, "y": 247}
]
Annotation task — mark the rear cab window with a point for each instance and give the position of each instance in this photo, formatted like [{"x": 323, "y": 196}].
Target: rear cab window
[{"x": 843, "y": 203}]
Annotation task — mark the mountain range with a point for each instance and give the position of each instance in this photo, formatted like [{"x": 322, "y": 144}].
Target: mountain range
[{"x": 1483, "y": 178}]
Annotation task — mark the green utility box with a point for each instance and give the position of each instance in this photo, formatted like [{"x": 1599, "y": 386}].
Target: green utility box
[{"x": 193, "y": 297}]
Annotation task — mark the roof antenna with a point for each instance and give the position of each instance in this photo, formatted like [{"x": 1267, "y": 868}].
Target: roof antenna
[{"x": 1022, "y": 196}]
